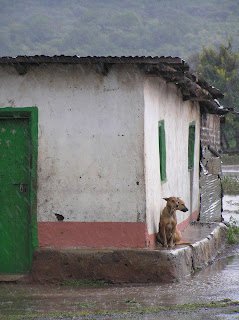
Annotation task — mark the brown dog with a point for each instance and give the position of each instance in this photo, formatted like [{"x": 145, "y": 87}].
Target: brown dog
[{"x": 168, "y": 233}]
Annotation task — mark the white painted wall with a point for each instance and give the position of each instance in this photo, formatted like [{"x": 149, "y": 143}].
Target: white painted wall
[
  {"x": 98, "y": 141},
  {"x": 91, "y": 164},
  {"x": 164, "y": 102}
]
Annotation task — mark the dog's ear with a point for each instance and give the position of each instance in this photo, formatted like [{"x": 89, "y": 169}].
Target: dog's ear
[{"x": 166, "y": 199}]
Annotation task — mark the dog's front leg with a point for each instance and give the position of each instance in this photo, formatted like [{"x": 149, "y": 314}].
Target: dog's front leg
[
  {"x": 165, "y": 242},
  {"x": 171, "y": 244}
]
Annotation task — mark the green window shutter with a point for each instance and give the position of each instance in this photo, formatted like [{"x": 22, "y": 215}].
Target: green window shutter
[
  {"x": 162, "y": 150},
  {"x": 191, "y": 143}
]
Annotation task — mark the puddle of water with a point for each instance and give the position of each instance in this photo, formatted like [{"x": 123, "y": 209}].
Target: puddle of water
[
  {"x": 230, "y": 169},
  {"x": 230, "y": 203},
  {"x": 230, "y": 208}
]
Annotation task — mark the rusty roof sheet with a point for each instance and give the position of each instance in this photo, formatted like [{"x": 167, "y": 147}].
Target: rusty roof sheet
[{"x": 172, "y": 69}]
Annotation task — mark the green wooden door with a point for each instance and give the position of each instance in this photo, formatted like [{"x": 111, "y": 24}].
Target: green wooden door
[{"x": 14, "y": 195}]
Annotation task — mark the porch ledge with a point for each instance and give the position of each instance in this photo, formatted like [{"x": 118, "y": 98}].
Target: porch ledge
[{"x": 201, "y": 244}]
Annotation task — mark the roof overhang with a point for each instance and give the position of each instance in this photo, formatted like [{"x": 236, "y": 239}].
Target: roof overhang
[{"x": 172, "y": 69}]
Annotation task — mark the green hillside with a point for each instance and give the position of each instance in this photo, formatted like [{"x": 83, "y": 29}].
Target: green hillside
[{"x": 113, "y": 27}]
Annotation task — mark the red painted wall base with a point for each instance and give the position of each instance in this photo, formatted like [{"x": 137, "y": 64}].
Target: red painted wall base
[
  {"x": 99, "y": 234},
  {"x": 91, "y": 234}
]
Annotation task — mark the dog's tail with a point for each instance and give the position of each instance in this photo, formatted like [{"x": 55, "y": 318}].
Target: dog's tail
[{"x": 182, "y": 243}]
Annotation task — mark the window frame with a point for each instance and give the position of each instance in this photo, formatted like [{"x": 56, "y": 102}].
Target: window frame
[
  {"x": 191, "y": 144},
  {"x": 162, "y": 151}
]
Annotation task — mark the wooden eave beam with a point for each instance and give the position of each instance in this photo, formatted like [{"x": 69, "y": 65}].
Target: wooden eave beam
[
  {"x": 21, "y": 68},
  {"x": 192, "y": 91}
]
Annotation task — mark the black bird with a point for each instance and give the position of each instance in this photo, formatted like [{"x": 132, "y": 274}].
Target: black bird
[{"x": 59, "y": 217}]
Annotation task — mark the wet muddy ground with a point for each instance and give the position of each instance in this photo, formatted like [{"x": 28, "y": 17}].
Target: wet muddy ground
[{"x": 212, "y": 293}]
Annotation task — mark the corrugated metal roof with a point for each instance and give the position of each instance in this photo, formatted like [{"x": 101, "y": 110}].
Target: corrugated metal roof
[
  {"x": 90, "y": 59},
  {"x": 172, "y": 69}
]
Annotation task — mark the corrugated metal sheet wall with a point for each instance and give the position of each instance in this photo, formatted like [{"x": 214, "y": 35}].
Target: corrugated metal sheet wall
[{"x": 210, "y": 174}]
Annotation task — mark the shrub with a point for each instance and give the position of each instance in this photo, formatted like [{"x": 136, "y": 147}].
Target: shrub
[
  {"x": 233, "y": 232},
  {"x": 230, "y": 185},
  {"x": 230, "y": 159}
]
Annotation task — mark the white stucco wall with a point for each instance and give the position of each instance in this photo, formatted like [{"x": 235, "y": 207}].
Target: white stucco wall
[
  {"x": 90, "y": 163},
  {"x": 98, "y": 142},
  {"x": 164, "y": 102}
]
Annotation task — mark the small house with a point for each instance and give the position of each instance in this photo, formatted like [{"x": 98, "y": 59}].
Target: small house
[{"x": 91, "y": 145}]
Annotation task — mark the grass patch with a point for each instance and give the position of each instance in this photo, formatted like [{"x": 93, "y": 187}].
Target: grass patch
[
  {"x": 84, "y": 305},
  {"x": 76, "y": 283},
  {"x": 230, "y": 159},
  {"x": 212, "y": 304},
  {"x": 233, "y": 231},
  {"x": 230, "y": 185},
  {"x": 185, "y": 307},
  {"x": 131, "y": 301}
]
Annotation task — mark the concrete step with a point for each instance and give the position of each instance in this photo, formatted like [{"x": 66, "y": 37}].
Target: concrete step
[
  {"x": 200, "y": 245},
  {"x": 11, "y": 277}
]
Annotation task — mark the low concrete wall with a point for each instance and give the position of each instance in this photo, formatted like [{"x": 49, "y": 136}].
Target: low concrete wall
[
  {"x": 206, "y": 250},
  {"x": 127, "y": 265}
]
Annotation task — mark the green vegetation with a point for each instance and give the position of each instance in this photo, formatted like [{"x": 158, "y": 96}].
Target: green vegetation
[
  {"x": 130, "y": 301},
  {"x": 133, "y": 312},
  {"x": 230, "y": 185},
  {"x": 83, "y": 305},
  {"x": 230, "y": 159},
  {"x": 76, "y": 283},
  {"x": 221, "y": 69},
  {"x": 233, "y": 232},
  {"x": 212, "y": 304},
  {"x": 126, "y": 27}
]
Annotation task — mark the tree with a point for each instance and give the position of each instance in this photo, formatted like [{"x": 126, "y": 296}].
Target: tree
[{"x": 221, "y": 69}]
